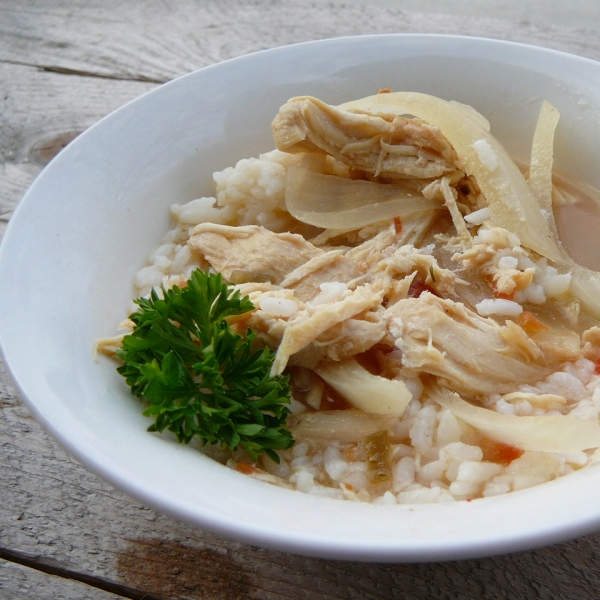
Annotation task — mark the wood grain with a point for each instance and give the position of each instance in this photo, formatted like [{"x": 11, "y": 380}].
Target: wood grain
[
  {"x": 40, "y": 112},
  {"x": 158, "y": 40},
  {"x": 63, "y": 65},
  {"x": 22, "y": 583}
]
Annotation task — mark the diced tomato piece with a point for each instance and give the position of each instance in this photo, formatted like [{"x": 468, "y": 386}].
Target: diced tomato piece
[
  {"x": 500, "y": 295},
  {"x": 530, "y": 323},
  {"x": 504, "y": 296},
  {"x": 502, "y": 453},
  {"x": 245, "y": 468}
]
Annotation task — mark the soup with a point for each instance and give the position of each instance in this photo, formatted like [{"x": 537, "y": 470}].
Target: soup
[{"x": 439, "y": 341}]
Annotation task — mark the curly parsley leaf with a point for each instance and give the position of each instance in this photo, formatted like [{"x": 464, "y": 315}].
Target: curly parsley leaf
[{"x": 201, "y": 378}]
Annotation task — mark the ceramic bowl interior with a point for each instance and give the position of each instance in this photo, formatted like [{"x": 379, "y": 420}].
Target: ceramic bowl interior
[{"x": 91, "y": 218}]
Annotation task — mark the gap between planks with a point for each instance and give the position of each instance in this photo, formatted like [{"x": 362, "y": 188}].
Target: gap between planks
[
  {"x": 80, "y": 73},
  {"x": 49, "y": 567}
]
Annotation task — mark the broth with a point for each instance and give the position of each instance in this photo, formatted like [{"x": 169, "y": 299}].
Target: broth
[{"x": 577, "y": 214}]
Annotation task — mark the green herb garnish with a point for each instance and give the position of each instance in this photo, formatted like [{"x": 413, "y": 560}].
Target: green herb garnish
[{"x": 199, "y": 376}]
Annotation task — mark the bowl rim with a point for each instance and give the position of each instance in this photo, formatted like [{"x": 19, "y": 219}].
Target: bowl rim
[{"x": 307, "y": 544}]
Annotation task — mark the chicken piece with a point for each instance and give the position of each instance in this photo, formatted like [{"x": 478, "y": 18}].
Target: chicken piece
[
  {"x": 109, "y": 346},
  {"x": 545, "y": 401},
  {"x": 474, "y": 282},
  {"x": 415, "y": 226},
  {"x": 390, "y": 146},
  {"x": 370, "y": 254},
  {"x": 351, "y": 337},
  {"x": 509, "y": 281},
  {"x": 340, "y": 339},
  {"x": 558, "y": 345},
  {"x": 342, "y": 271},
  {"x": 310, "y": 324},
  {"x": 486, "y": 244},
  {"x": 269, "y": 329},
  {"x": 410, "y": 229},
  {"x": 449, "y": 194},
  {"x": 408, "y": 259},
  {"x": 472, "y": 354},
  {"x": 251, "y": 253},
  {"x": 328, "y": 267},
  {"x": 385, "y": 258}
]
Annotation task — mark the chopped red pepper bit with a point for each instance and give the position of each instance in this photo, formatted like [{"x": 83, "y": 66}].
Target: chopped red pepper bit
[
  {"x": 530, "y": 323},
  {"x": 501, "y": 453},
  {"x": 398, "y": 224},
  {"x": 503, "y": 295},
  {"x": 245, "y": 468}
]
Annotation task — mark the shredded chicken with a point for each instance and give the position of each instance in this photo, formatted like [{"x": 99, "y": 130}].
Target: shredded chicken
[
  {"x": 429, "y": 304},
  {"x": 251, "y": 253},
  {"x": 387, "y": 145},
  {"x": 468, "y": 352},
  {"x": 309, "y": 325},
  {"x": 328, "y": 267}
]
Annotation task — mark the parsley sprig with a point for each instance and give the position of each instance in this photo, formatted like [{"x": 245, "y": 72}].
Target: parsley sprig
[{"x": 199, "y": 376}]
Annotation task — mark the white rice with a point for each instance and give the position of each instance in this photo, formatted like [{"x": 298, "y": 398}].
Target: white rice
[
  {"x": 498, "y": 306},
  {"x": 439, "y": 465}
]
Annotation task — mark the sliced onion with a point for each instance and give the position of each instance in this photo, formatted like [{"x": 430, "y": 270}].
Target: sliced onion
[
  {"x": 585, "y": 286},
  {"x": 541, "y": 434},
  {"x": 345, "y": 426},
  {"x": 335, "y": 202},
  {"x": 511, "y": 202},
  {"x": 365, "y": 391},
  {"x": 512, "y": 205},
  {"x": 542, "y": 156},
  {"x": 472, "y": 114}
]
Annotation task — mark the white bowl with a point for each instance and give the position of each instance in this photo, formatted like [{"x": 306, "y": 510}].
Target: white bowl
[{"x": 90, "y": 219}]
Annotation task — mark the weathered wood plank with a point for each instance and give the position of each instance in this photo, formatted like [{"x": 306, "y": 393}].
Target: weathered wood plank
[
  {"x": 52, "y": 510},
  {"x": 22, "y": 583},
  {"x": 56, "y": 512},
  {"x": 159, "y": 40},
  {"x": 40, "y": 113},
  {"x": 155, "y": 41}
]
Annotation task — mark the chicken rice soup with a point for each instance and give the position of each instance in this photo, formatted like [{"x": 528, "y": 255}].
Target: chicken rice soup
[{"x": 409, "y": 285}]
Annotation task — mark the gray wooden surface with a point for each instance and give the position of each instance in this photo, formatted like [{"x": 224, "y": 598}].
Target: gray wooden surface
[{"x": 64, "y": 533}]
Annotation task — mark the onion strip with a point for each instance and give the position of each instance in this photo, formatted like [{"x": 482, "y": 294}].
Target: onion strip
[
  {"x": 345, "y": 426},
  {"x": 542, "y": 434},
  {"x": 512, "y": 205},
  {"x": 540, "y": 166},
  {"x": 335, "y": 202},
  {"x": 367, "y": 392}
]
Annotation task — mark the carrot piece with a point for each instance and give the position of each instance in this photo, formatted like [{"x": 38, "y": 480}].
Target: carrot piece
[{"x": 530, "y": 323}]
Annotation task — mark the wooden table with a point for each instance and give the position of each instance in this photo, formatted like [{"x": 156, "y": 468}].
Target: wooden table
[{"x": 64, "y": 533}]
